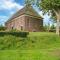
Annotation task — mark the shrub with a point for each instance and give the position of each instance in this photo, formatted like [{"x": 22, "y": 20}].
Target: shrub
[
  {"x": 52, "y": 30},
  {"x": 14, "y": 30},
  {"x": 2, "y": 28},
  {"x": 18, "y": 34}
]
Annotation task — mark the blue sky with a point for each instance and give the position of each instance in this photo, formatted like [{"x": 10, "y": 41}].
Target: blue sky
[{"x": 9, "y": 7}]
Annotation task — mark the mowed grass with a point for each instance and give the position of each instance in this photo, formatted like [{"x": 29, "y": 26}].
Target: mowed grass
[
  {"x": 37, "y": 46},
  {"x": 27, "y": 55}
]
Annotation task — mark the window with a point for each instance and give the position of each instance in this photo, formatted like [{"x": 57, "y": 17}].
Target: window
[
  {"x": 12, "y": 28},
  {"x": 21, "y": 28}
]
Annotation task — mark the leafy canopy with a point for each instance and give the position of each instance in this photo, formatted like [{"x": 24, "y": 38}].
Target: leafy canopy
[{"x": 47, "y": 5}]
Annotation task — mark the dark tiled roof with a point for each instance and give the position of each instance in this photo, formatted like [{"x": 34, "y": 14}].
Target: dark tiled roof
[{"x": 26, "y": 10}]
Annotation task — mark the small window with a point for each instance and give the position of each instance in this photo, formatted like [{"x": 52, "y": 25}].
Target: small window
[
  {"x": 21, "y": 28},
  {"x": 12, "y": 28}
]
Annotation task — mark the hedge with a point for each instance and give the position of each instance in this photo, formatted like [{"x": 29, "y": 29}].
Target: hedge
[{"x": 18, "y": 34}]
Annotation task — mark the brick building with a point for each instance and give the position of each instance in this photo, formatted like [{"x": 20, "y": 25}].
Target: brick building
[{"x": 26, "y": 19}]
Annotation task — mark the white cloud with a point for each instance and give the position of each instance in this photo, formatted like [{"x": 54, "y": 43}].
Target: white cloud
[
  {"x": 9, "y": 4},
  {"x": 11, "y": 7},
  {"x": 3, "y": 19}
]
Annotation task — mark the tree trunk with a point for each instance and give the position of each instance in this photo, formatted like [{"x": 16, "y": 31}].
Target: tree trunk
[
  {"x": 58, "y": 27},
  {"x": 58, "y": 21}
]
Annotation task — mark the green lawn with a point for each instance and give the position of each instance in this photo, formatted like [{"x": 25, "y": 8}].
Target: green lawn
[
  {"x": 37, "y": 46},
  {"x": 27, "y": 55}
]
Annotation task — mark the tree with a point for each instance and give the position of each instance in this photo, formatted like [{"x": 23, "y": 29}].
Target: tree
[
  {"x": 52, "y": 27},
  {"x": 51, "y": 7},
  {"x": 29, "y": 2},
  {"x": 2, "y": 28}
]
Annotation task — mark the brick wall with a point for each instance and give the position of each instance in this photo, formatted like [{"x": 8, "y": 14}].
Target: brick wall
[
  {"x": 33, "y": 24},
  {"x": 25, "y": 23},
  {"x": 16, "y": 23}
]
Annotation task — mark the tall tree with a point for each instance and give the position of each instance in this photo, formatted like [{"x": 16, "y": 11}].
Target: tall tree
[{"x": 52, "y": 7}]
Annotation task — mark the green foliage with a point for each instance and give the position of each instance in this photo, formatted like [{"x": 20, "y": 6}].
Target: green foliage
[
  {"x": 18, "y": 34},
  {"x": 35, "y": 40},
  {"x": 13, "y": 30},
  {"x": 29, "y": 2},
  {"x": 47, "y": 6},
  {"x": 50, "y": 4},
  {"x": 2, "y": 28},
  {"x": 45, "y": 27},
  {"x": 52, "y": 27},
  {"x": 37, "y": 46},
  {"x": 49, "y": 28}
]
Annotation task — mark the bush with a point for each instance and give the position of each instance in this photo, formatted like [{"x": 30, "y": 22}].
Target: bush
[
  {"x": 14, "y": 30},
  {"x": 18, "y": 34},
  {"x": 2, "y": 28},
  {"x": 52, "y": 30}
]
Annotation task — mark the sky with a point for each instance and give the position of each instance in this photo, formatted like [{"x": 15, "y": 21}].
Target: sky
[{"x": 9, "y": 7}]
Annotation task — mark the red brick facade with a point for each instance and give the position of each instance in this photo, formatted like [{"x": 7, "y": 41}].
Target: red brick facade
[
  {"x": 25, "y": 23},
  {"x": 33, "y": 24}
]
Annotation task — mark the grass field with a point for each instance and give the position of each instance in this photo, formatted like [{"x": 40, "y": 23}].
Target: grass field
[
  {"x": 28, "y": 55},
  {"x": 37, "y": 46}
]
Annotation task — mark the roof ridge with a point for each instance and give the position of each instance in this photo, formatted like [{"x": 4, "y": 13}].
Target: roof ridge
[{"x": 26, "y": 10}]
